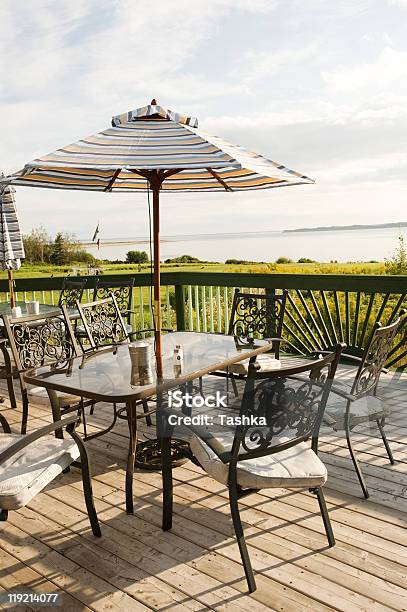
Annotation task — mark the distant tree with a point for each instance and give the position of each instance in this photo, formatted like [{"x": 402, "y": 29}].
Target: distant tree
[
  {"x": 183, "y": 259},
  {"x": 137, "y": 257},
  {"x": 284, "y": 260},
  {"x": 306, "y": 260},
  {"x": 65, "y": 249},
  {"x": 398, "y": 263},
  {"x": 37, "y": 246},
  {"x": 82, "y": 256},
  {"x": 58, "y": 251}
]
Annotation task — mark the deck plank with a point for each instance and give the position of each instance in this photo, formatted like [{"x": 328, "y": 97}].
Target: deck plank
[{"x": 196, "y": 566}]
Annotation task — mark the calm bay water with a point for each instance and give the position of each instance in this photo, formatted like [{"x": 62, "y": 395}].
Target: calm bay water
[{"x": 340, "y": 245}]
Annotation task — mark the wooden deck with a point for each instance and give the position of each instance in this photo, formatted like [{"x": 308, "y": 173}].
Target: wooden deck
[{"x": 48, "y": 546}]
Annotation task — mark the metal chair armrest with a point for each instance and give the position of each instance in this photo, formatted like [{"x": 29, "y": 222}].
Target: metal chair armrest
[
  {"x": 35, "y": 435},
  {"x": 337, "y": 391},
  {"x": 93, "y": 352},
  {"x": 348, "y": 357},
  {"x": 143, "y": 331}
]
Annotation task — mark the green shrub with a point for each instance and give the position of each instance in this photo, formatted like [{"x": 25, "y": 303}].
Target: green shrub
[
  {"x": 183, "y": 259},
  {"x": 398, "y": 263},
  {"x": 137, "y": 257}
]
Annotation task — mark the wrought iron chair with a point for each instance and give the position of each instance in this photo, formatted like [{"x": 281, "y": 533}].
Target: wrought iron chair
[
  {"x": 104, "y": 327},
  {"x": 362, "y": 403},
  {"x": 123, "y": 294},
  {"x": 28, "y": 463},
  {"x": 103, "y": 323},
  {"x": 272, "y": 452},
  {"x": 7, "y": 371},
  {"x": 71, "y": 292},
  {"x": 37, "y": 340},
  {"x": 256, "y": 315}
]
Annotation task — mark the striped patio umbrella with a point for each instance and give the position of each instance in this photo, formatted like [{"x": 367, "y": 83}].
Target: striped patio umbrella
[
  {"x": 153, "y": 148},
  {"x": 11, "y": 243}
]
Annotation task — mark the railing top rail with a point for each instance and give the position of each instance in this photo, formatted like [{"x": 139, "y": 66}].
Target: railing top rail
[{"x": 326, "y": 282}]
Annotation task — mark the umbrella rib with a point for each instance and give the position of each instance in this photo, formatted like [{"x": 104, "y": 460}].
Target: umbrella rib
[
  {"x": 219, "y": 179},
  {"x": 113, "y": 180},
  {"x": 170, "y": 173}
]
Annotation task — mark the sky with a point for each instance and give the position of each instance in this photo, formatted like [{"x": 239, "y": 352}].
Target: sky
[{"x": 319, "y": 86}]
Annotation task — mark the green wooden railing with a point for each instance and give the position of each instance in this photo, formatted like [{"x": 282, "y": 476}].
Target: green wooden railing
[{"x": 321, "y": 309}]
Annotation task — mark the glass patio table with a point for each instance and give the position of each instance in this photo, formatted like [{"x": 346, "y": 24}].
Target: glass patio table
[{"x": 107, "y": 376}]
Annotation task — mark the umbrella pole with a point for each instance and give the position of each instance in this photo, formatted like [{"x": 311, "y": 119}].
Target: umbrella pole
[
  {"x": 157, "y": 292},
  {"x": 11, "y": 288}
]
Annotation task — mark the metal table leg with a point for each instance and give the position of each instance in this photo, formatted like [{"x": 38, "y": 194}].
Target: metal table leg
[{"x": 132, "y": 422}]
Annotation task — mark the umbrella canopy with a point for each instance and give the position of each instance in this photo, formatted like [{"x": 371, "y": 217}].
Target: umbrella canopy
[
  {"x": 155, "y": 148},
  {"x": 154, "y": 138},
  {"x": 11, "y": 243}
]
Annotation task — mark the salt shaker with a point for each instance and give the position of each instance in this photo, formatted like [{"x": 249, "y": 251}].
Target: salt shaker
[{"x": 178, "y": 360}]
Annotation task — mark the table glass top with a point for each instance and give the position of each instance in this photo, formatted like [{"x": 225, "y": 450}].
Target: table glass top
[
  {"x": 5, "y": 308},
  {"x": 108, "y": 374}
]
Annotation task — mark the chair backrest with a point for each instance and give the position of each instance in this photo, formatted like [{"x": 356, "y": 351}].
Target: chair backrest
[
  {"x": 122, "y": 291},
  {"x": 256, "y": 315},
  {"x": 71, "y": 292},
  {"x": 103, "y": 322},
  {"x": 37, "y": 340},
  {"x": 291, "y": 409},
  {"x": 375, "y": 356}
]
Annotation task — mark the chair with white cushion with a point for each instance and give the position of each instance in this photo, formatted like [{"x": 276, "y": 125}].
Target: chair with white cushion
[
  {"x": 37, "y": 340},
  {"x": 29, "y": 462},
  {"x": 362, "y": 403},
  {"x": 273, "y": 452},
  {"x": 256, "y": 315}
]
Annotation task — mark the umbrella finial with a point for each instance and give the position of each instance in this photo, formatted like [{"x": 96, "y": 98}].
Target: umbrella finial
[{"x": 153, "y": 102}]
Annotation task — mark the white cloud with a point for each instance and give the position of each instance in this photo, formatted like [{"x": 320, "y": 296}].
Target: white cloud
[
  {"x": 388, "y": 71},
  {"x": 318, "y": 87},
  {"x": 259, "y": 65}
]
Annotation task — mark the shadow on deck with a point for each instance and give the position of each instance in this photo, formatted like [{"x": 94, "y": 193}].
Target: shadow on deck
[{"x": 48, "y": 546}]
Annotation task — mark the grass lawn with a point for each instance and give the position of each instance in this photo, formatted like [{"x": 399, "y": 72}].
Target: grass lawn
[{"x": 47, "y": 270}]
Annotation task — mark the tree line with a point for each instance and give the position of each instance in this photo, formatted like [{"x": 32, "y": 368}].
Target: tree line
[{"x": 64, "y": 249}]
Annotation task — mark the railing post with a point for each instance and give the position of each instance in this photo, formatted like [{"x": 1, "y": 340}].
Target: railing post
[{"x": 180, "y": 307}]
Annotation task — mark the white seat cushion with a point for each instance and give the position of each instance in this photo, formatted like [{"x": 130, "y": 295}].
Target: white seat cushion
[
  {"x": 296, "y": 467},
  {"x": 266, "y": 363},
  {"x": 363, "y": 410},
  {"x": 25, "y": 474},
  {"x": 39, "y": 396}
]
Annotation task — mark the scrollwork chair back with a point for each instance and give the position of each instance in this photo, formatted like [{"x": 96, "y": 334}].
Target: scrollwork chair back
[
  {"x": 291, "y": 407},
  {"x": 257, "y": 316},
  {"x": 375, "y": 356},
  {"x": 103, "y": 322},
  {"x": 37, "y": 340},
  {"x": 122, "y": 291},
  {"x": 71, "y": 292}
]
